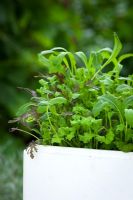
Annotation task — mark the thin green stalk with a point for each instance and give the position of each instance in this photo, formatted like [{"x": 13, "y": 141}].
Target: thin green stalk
[
  {"x": 17, "y": 129},
  {"x": 126, "y": 131},
  {"x": 50, "y": 121}
]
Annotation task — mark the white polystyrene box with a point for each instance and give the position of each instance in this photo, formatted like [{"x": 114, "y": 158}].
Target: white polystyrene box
[{"x": 66, "y": 173}]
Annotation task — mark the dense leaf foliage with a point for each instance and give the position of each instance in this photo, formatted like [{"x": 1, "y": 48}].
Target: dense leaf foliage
[
  {"x": 29, "y": 26},
  {"x": 80, "y": 105}
]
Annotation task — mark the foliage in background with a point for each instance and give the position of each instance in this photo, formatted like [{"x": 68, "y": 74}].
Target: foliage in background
[
  {"x": 11, "y": 169},
  {"x": 80, "y": 105}
]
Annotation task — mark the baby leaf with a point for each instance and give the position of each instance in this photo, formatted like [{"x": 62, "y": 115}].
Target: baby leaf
[
  {"x": 98, "y": 107},
  {"x": 128, "y": 101},
  {"x": 128, "y": 55},
  {"x": 115, "y": 52},
  {"x": 111, "y": 101},
  {"x": 82, "y": 56},
  {"x": 45, "y": 61},
  {"x": 58, "y": 100},
  {"x": 24, "y": 108},
  {"x": 124, "y": 147},
  {"x": 86, "y": 137},
  {"x": 56, "y": 139},
  {"x": 123, "y": 88},
  {"x": 129, "y": 116},
  {"x": 71, "y": 134},
  {"x": 106, "y": 139},
  {"x": 75, "y": 95}
]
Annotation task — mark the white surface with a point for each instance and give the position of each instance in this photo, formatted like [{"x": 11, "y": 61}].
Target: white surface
[{"x": 59, "y": 173}]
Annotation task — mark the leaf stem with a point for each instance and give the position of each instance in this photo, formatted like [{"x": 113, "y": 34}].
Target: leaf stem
[
  {"x": 17, "y": 129},
  {"x": 50, "y": 120}
]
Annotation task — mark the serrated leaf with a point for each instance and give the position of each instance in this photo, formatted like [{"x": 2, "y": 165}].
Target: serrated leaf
[
  {"x": 86, "y": 137},
  {"x": 70, "y": 135},
  {"x": 56, "y": 139},
  {"x": 106, "y": 139},
  {"x": 120, "y": 127},
  {"x": 56, "y": 65},
  {"x": 43, "y": 82}
]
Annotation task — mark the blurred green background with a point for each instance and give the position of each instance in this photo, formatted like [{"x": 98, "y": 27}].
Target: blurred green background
[{"x": 30, "y": 26}]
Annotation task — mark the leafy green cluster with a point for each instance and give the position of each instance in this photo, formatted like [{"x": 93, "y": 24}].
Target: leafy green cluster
[{"x": 83, "y": 101}]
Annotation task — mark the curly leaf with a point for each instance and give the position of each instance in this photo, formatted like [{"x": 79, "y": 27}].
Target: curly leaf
[
  {"x": 106, "y": 139},
  {"x": 86, "y": 137}
]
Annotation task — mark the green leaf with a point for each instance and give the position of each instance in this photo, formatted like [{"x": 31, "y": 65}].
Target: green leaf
[
  {"x": 86, "y": 137},
  {"x": 109, "y": 137},
  {"x": 129, "y": 117},
  {"x": 120, "y": 127},
  {"x": 71, "y": 134},
  {"x": 24, "y": 108},
  {"x": 124, "y": 147},
  {"x": 43, "y": 82},
  {"x": 58, "y": 100},
  {"x": 110, "y": 101},
  {"x": 106, "y": 81},
  {"x": 90, "y": 61},
  {"x": 106, "y": 52},
  {"x": 82, "y": 56},
  {"x": 98, "y": 107},
  {"x": 106, "y": 139},
  {"x": 75, "y": 95},
  {"x": 115, "y": 52},
  {"x": 123, "y": 88},
  {"x": 43, "y": 103},
  {"x": 56, "y": 65},
  {"x": 128, "y": 101},
  {"x": 56, "y": 139},
  {"x": 121, "y": 58},
  {"x": 58, "y": 49},
  {"x": 54, "y": 62},
  {"x": 45, "y": 61},
  {"x": 30, "y": 119}
]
